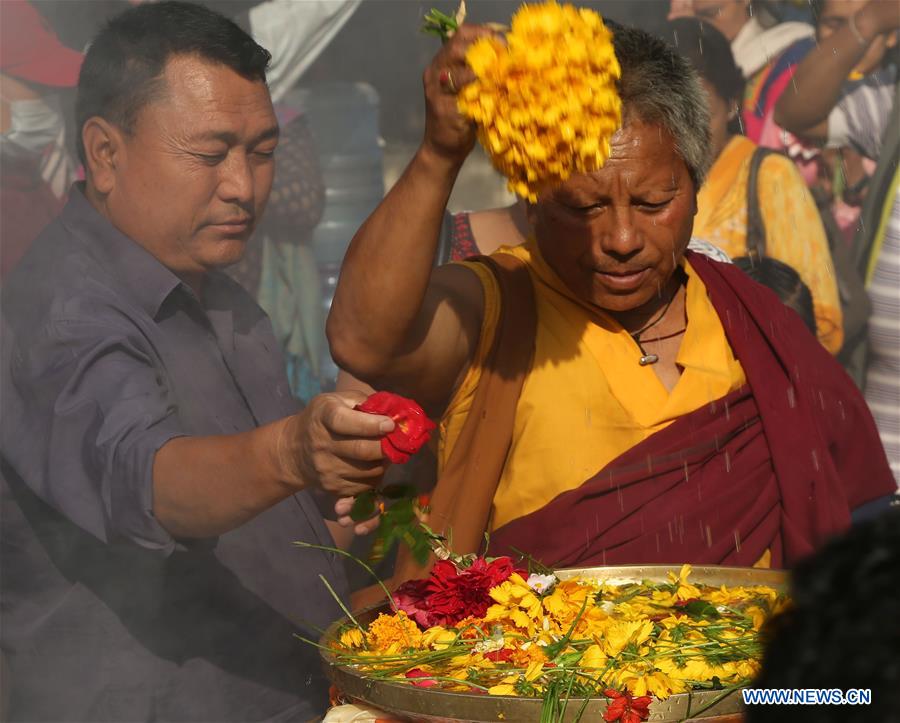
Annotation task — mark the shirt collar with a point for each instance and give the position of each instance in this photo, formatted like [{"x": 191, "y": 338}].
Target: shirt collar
[{"x": 141, "y": 275}]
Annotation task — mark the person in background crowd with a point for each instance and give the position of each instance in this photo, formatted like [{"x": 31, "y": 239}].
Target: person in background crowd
[
  {"x": 155, "y": 467},
  {"x": 844, "y": 173},
  {"x": 574, "y": 371},
  {"x": 680, "y": 9},
  {"x": 793, "y": 230},
  {"x": 840, "y": 631},
  {"x": 784, "y": 281},
  {"x": 864, "y": 117},
  {"x": 470, "y": 233},
  {"x": 765, "y": 55},
  {"x": 34, "y": 66},
  {"x": 279, "y": 269}
]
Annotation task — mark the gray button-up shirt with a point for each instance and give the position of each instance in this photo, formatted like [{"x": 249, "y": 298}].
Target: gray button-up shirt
[{"x": 106, "y": 356}]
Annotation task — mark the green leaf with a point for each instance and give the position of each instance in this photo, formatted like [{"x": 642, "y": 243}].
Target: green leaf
[
  {"x": 699, "y": 609},
  {"x": 564, "y": 661},
  {"x": 437, "y": 23},
  {"x": 401, "y": 513},
  {"x": 363, "y": 507}
]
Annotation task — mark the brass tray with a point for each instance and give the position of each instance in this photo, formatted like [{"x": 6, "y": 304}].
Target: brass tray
[{"x": 411, "y": 703}]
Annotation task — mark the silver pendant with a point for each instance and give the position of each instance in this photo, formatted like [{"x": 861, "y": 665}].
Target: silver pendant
[{"x": 648, "y": 359}]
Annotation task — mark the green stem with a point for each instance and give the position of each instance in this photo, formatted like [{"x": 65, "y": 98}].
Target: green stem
[
  {"x": 715, "y": 701},
  {"x": 326, "y": 548},
  {"x": 341, "y": 603}
]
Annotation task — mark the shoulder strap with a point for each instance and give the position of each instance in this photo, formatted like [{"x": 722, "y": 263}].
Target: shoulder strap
[
  {"x": 756, "y": 227},
  {"x": 445, "y": 241},
  {"x": 870, "y": 228},
  {"x": 462, "y": 500}
]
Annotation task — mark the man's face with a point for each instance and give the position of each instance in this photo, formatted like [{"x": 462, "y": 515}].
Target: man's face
[
  {"x": 615, "y": 236},
  {"x": 836, "y": 14},
  {"x": 194, "y": 176},
  {"x": 726, "y": 16}
]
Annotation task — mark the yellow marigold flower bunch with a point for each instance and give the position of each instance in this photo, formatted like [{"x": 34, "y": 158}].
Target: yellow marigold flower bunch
[
  {"x": 545, "y": 102},
  {"x": 393, "y": 633}
]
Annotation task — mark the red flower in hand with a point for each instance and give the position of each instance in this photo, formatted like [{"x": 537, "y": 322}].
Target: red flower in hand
[
  {"x": 412, "y": 427},
  {"x": 626, "y": 709}
]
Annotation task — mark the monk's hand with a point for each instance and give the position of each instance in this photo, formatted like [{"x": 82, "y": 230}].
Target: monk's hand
[
  {"x": 447, "y": 132},
  {"x": 332, "y": 446}
]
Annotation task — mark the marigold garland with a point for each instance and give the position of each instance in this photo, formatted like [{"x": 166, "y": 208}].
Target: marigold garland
[{"x": 545, "y": 102}]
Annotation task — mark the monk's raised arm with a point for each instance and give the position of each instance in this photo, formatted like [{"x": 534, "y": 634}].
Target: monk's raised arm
[{"x": 395, "y": 323}]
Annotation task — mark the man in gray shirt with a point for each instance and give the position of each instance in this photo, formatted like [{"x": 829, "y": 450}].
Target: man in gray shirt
[{"x": 155, "y": 467}]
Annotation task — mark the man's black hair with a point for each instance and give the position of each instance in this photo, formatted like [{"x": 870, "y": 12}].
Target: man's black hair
[
  {"x": 843, "y": 630},
  {"x": 710, "y": 53},
  {"x": 124, "y": 65}
]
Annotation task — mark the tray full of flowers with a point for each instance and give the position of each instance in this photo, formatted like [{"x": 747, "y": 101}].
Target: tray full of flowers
[{"x": 483, "y": 640}]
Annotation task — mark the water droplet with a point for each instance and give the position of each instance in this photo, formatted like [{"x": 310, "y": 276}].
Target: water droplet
[
  {"x": 737, "y": 541},
  {"x": 792, "y": 401},
  {"x": 708, "y": 536},
  {"x": 815, "y": 459}
]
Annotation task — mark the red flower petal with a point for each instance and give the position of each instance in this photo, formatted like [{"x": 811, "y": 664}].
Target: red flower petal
[
  {"x": 642, "y": 704},
  {"x": 616, "y": 709},
  {"x": 412, "y": 426},
  {"x": 419, "y": 673}
]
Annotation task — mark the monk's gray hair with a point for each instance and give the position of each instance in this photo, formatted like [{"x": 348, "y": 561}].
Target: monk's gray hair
[{"x": 660, "y": 86}]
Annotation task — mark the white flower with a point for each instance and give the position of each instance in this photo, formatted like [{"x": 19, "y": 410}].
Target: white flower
[
  {"x": 489, "y": 645},
  {"x": 541, "y": 583}
]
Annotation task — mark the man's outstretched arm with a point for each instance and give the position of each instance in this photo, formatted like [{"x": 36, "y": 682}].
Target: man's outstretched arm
[
  {"x": 804, "y": 106},
  {"x": 206, "y": 486}
]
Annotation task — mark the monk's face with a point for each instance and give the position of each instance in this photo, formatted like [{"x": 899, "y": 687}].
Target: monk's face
[{"x": 616, "y": 235}]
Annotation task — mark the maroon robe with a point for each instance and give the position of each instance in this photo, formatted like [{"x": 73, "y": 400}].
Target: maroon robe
[{"x": 776, "y": 465}]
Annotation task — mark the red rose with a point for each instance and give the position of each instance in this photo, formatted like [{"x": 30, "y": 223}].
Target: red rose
[
  {"x": 455, "y": 594},
  {"x": 451, "y": 594},
  {"x": 626, "y": 709},
  {"x": 412, "y": 427},
  {"x": 411, "y": 598}
]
